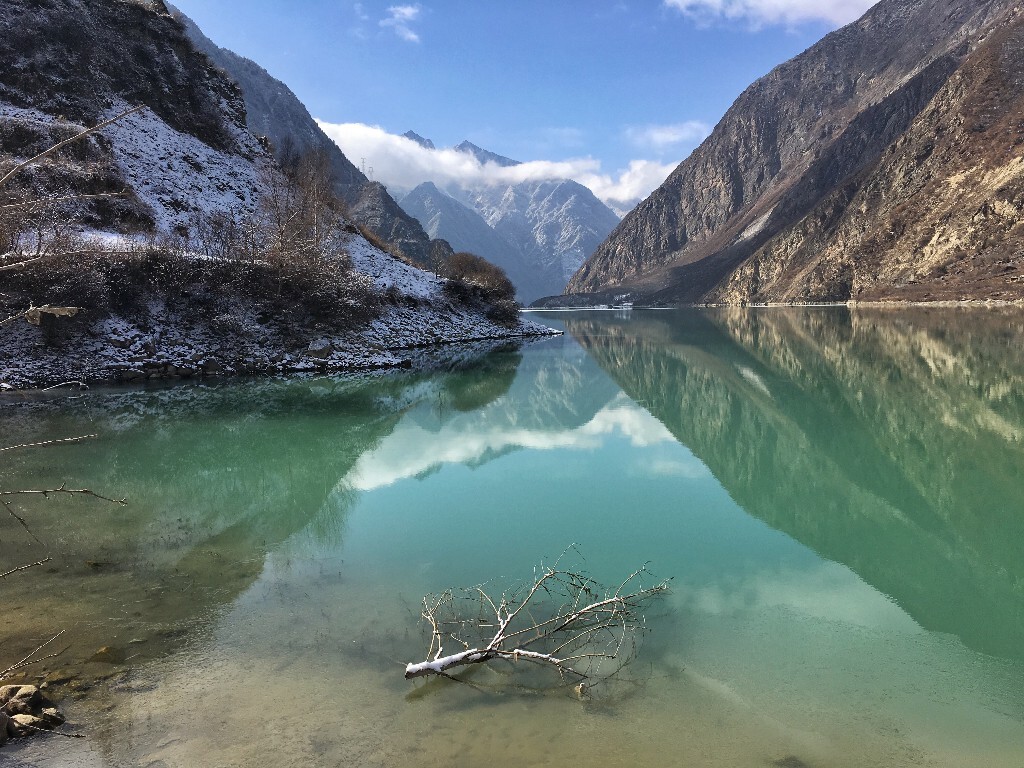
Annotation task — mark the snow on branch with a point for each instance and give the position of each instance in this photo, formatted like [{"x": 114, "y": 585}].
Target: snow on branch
[{"x": 562, "y": 620}]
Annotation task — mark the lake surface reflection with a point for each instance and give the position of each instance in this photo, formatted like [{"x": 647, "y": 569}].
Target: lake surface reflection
[{"x": 837, "y": 494}]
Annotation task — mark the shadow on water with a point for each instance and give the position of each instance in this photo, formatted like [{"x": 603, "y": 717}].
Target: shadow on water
[{"x": 891, "y": 442}]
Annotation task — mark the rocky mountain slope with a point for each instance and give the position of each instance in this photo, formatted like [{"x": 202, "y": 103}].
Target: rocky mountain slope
[
  {"x": 443, "y": 216},
  {"x": 839, "y": 175},
  {"x": 540, "y": 231},
  {"x": 274, "y": 111}
]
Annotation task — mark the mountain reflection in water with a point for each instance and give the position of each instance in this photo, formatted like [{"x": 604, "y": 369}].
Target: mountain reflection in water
[{"x": 890, "y": 442}]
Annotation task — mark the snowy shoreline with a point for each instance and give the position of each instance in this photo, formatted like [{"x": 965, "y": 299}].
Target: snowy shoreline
[
  {"x": 116, "y": 351},
  {"x": 170, "y": 341}
]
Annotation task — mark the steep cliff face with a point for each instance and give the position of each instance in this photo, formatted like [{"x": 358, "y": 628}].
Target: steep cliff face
[
  {"x": 937, "y": 217},
  {"x": 273, "y": 110},
  {"x": 70, "y": 58},
  {"x": 789, "y": 144}
]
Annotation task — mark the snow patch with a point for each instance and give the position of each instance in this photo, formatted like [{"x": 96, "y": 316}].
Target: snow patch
[{"x": 178, "y": 176}]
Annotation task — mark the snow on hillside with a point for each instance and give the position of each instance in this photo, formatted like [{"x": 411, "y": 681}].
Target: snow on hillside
[
  {"x": 174, "y": 174},
  {"x": 178, "y": 176},
  {"x": 388, "y": 272}
]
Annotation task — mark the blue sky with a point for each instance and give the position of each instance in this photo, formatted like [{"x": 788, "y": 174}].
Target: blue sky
[{"x": 614, "y": 94}]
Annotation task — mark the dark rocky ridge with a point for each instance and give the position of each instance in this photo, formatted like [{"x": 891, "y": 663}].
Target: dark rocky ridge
[
  {"x": 785, "y": 148},
  {"x": 71, "y": 57}
]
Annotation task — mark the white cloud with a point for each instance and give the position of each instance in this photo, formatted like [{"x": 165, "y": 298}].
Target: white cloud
[
  {"x": 662, "y": 137},
  {"x": 631, "y": 185},
  {"x": 412, "y": 451},
  {"x": 775, "y": 11},
  {"x": 399, "y": 19},
  {"x": 402, "y": 164}
]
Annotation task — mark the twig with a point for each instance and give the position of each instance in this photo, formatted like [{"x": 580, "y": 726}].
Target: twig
[
  {"x": 79, "y": 384},
  {"x": 29, "y": 660},
  {"x": 20, "y": 519},
  {"x": 43, "y": 201},
  {"x": 53, "y": 732},
  {"x": 64, "y": 143},
  {"x": 49, "y": 442},
  {"x": 45, "y": 493},
  {"x": 24, "y": 567}
]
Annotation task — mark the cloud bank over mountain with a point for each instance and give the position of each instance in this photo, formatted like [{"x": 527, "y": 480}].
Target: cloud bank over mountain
[{"x": 401, "y": 163}]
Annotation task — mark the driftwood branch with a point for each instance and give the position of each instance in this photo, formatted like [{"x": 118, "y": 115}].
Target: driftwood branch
[{"x": 562, "y": 620}]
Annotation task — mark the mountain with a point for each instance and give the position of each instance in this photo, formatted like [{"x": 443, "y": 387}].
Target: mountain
[
  {"x": 556, "y": 224},
  {"x": 141, "y": 233},
  {"x": 879, "y": 164},
  {"x": 442, "y": 216},
  {"x": 540, "y": 232},
  {"x": 413, "y": 136},
  {"x": 484, "y": 156},
  {"x": 274, "y": 111}
]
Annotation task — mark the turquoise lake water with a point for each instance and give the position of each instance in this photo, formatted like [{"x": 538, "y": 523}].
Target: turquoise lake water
[{"x": 838, "y": 496}]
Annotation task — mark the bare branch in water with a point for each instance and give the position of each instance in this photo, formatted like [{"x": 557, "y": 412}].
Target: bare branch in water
[
  {"x": 48, "y": 442},
  {"x": 31, "y": 658},
  {"x": 25, "y": 567},
  {"x": 563, "y": 620},
  {"x": 47, "y": 492}
]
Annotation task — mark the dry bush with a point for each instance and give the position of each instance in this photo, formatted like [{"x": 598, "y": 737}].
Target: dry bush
[{"x": 470, "y": 268}]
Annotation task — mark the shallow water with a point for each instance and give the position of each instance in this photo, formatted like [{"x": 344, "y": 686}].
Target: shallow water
[{"x": 837, "y": 496}]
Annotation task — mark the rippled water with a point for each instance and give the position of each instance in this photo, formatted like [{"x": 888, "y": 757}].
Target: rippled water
[{"x": 839, "y": 497}]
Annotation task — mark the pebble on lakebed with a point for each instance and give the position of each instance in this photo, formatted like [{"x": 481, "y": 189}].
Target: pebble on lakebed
[{"x": 24, "y": 711}]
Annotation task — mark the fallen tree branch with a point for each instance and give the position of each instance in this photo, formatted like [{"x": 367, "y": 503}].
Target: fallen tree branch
[{"x": 562, "y": 620}]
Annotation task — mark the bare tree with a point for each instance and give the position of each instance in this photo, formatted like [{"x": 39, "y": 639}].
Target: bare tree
[{"x": 562, "y": 620}]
